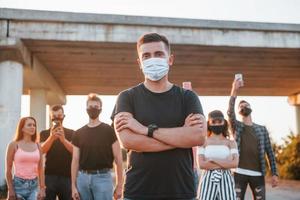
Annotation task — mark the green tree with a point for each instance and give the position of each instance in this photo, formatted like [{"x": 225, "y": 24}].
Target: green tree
[{"x": 288, "y": 157}]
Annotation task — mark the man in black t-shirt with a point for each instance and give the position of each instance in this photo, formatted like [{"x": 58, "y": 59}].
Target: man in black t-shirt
[
  {"x": 158, "y": 123},
  {"x": 55, "y": 143},
  {"x": 95, "y": 148}
]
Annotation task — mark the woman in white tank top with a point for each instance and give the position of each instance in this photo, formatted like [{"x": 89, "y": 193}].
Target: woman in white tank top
[
  {"x": 24, "y": 154},
  {"x": 216, "y": 157}
]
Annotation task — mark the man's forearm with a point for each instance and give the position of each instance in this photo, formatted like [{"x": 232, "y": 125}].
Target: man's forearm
[
  {"x": 118, "y": 161},
  {"x": 272, "y": 161},
  {"x": 231, "y": 114},
  {"x": 182, "y": 137},
  {"x": 68, "y": 145},
  {"x": 119, "y": 171},
  {"x": 231, "y": 105},
  {"x": 233, "y": 93},
  {"x": 74, "y": 172},
  {"x": 141, "y": 143},
  {"x": 45, "y": 146}
]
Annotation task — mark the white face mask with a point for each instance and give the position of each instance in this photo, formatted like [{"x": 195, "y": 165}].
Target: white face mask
[{"x": 155, "y": 68}]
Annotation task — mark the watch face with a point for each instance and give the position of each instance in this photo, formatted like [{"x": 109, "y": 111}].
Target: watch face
[
  {"x": 151, "y": 129},
  {"x": 153, "y": 126}
]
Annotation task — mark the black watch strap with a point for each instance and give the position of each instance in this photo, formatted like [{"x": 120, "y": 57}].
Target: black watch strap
[{"x": 151, "y": 129}]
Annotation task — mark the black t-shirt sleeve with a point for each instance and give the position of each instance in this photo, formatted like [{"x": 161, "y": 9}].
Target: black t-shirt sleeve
[
  {"x": 192, "y": 103},
  {"x": 43, "y": 136},
  {"x": 113, "y": 136},
  {"x": 123, "y": 104},
  {"x": 69, "y": 134}
]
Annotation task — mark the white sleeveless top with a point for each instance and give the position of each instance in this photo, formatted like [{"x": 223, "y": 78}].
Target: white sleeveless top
[{"x": 216, "y": 151}]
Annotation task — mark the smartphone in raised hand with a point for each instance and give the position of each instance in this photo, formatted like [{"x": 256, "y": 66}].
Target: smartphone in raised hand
[
  {"x": 239, "y": 77},
  {"x": 56, "y": 124}
]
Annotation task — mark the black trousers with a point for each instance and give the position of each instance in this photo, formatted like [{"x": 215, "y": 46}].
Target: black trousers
[
  {"x": 59, "y": 186},
  {"x": 256, "y": 183}
]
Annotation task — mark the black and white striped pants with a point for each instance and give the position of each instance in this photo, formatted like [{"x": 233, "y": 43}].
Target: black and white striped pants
[{"x": 217, "y": 184}]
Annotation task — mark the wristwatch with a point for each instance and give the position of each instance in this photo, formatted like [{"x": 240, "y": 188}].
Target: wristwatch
[{"x": 151, "y": 129}]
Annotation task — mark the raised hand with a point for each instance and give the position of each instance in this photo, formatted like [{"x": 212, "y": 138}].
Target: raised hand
[{"x": 236, "y": 85}]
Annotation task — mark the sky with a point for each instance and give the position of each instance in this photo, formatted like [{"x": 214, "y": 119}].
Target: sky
[
  {"x": 274, "y": 112},
  {"x": 280, "y": 11}
]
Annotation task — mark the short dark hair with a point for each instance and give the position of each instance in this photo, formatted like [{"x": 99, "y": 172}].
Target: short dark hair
[
  {"x": 243, "y": 101},
  {"x": 153, "y": 37},
  {"x": 57, "y": 107},
  {"x": 94, "y": 97},
  {"x": 217, "y": 114}
]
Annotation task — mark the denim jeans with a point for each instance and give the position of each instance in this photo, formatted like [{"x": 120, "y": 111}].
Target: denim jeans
[
  {"x": 25, "y": 189},
  {"x": 95, "y": 186},
  {"x": 59, "y": 186}
]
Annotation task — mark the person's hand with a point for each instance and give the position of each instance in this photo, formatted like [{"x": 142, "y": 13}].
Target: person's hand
[
  {"x": 194, "y": 119},
  {"x": 53, "y": 134},
  {"x": 59, "y": 133},
  {"x": 75, "y": 194},
  {"x": 210, "y": 160},
  {"x": 126, "y": 121},
  {"x": 118, "y": 192},
  {"x": 237, "y": 84},
  {"x": 11, "y": 195},
  {"x": 274, "y": 181},
  {"x": 230, "y": 157},
  {"x": 41, "y": 194}
]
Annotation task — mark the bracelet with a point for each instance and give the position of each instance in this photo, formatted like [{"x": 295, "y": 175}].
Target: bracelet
[
  {"x": 151, "y": 129},
  {"x": 43, "y": 187}
]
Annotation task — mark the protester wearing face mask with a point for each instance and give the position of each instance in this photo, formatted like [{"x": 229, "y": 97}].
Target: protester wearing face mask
[
  {"x": 253, "y": 143},
  {"x": 216, "y": 157},
  {"x": 158, "y": 123},
  {"x": 95, "y": 149},
  {"x": 55, "y": 144}
]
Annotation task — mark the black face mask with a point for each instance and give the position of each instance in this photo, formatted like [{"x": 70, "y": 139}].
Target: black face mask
[
  {"x": 217, "y": 129},
  {"x": 245, "y": 111},
  {"x": 93, "y": 112}
]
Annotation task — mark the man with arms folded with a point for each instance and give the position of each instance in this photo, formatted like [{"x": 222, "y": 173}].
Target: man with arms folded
[{"x": 158, "y": 123}]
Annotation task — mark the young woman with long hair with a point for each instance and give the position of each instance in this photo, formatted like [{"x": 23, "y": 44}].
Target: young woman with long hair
[
  {"x": 216, "y": 157},
  {"x": 24, "y": 154}
]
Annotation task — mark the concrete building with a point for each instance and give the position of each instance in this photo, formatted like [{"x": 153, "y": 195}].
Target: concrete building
[{"x": 53, "y": 54}]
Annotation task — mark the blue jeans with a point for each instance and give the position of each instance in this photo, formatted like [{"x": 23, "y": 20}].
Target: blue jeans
[
  {"x": 25, "y": 189},
  {"x": 59, "y": 186},
  {"x": 95, "y": 186}
]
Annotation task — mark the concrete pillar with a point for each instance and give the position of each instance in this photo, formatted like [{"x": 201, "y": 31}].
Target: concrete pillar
[
  {"x": 294, "y": 100},
  {"x": 297, "y": 109},
  {"x": 11, "y": 88},
  {"x": 38, "y": 107}
]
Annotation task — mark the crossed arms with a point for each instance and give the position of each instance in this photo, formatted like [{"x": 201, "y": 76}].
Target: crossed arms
[
  {"x": 228, "y": 163},
  {"x": 133, "y": 135}
]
